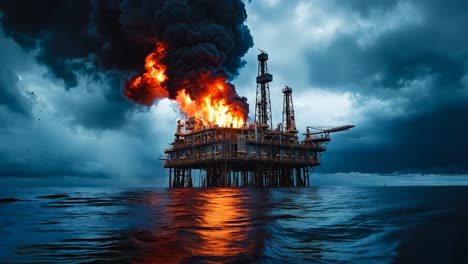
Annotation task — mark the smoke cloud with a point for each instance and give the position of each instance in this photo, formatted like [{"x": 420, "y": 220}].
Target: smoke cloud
[{"x": 202, "y": 37}]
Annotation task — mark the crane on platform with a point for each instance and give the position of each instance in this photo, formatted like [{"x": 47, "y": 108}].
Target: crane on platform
[
  {"x": 326, "y": 131},
  {"x": 323, "y": 134}
]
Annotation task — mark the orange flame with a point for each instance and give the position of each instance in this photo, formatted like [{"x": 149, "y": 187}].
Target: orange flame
[
  {"x": 211, "y": 106},
  {"x": 148, "y": 88}
]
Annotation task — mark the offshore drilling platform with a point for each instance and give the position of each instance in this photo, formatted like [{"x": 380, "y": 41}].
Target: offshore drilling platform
[{"x": 257, "y": 155}]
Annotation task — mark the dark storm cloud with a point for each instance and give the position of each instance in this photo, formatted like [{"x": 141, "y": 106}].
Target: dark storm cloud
[
  {"x": 75, "y": 42},
  {"x": 437, "y": 9},
  {"x": 58, "y": 29},
  {"x": 68, "y": 34},
  {"x": 18, "y": 170},
  {"x": 368, "y": 7},
  {"x": 431, "y": 142},
  {"x": 394, "y": 58},
  {"x": 420, "y": 69},
  {"x": 10, "y": 96},
  {"x": 95, "y": 103},
  {"x": 104, "y": 107}
]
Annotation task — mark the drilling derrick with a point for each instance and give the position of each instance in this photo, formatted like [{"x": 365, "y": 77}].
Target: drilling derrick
[
  {"x": 263, "y": 104},
  {"x": 289, "y": 122}
]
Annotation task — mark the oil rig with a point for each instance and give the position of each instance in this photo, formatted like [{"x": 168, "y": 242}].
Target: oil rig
[{"x": 255, "y": 155}]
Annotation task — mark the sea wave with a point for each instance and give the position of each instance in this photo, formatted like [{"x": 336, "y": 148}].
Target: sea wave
[{"x": 234, "y": 225}]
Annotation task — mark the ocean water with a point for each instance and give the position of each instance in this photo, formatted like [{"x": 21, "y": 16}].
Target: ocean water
[{"x": 235, "y": 225}]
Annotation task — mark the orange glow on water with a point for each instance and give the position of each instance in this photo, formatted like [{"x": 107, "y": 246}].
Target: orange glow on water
[
  {"x": 222, "y": 226},
  {"x": 213, "y": 224}
]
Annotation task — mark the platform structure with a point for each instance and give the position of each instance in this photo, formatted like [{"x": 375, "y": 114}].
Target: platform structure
[
  {"x": 247, "y": 156},
  {"x": 255, "y": 155}
]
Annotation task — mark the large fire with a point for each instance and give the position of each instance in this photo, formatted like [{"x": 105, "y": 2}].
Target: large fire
[
  {"x": 210, "y": 103},
  {"x": 148, "y": 88},
  {"x": 212, "y": 107}
]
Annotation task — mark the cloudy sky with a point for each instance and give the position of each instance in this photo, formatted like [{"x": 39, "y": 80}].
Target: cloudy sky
[{"x": 398, "y": 70}]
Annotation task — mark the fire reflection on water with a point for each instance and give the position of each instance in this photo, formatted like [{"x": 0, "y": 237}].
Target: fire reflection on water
[
  {"x": 222, "y": 226},
  {"x": 213, "y": 224}
]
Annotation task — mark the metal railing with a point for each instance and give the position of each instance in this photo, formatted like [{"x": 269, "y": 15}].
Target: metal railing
[
  {"x": 213, "y": 156},
  {"x": 200, "y": 142}
]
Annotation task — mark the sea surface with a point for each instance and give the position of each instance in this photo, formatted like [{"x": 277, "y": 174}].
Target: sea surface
[{"x": 235, "y": 225}]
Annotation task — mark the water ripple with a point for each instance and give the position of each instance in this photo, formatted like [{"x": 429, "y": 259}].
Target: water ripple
[{"x": 231, "y": 225}]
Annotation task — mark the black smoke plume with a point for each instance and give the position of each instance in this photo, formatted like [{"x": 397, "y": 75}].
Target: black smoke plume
[{"x": 116, "y": 36}]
